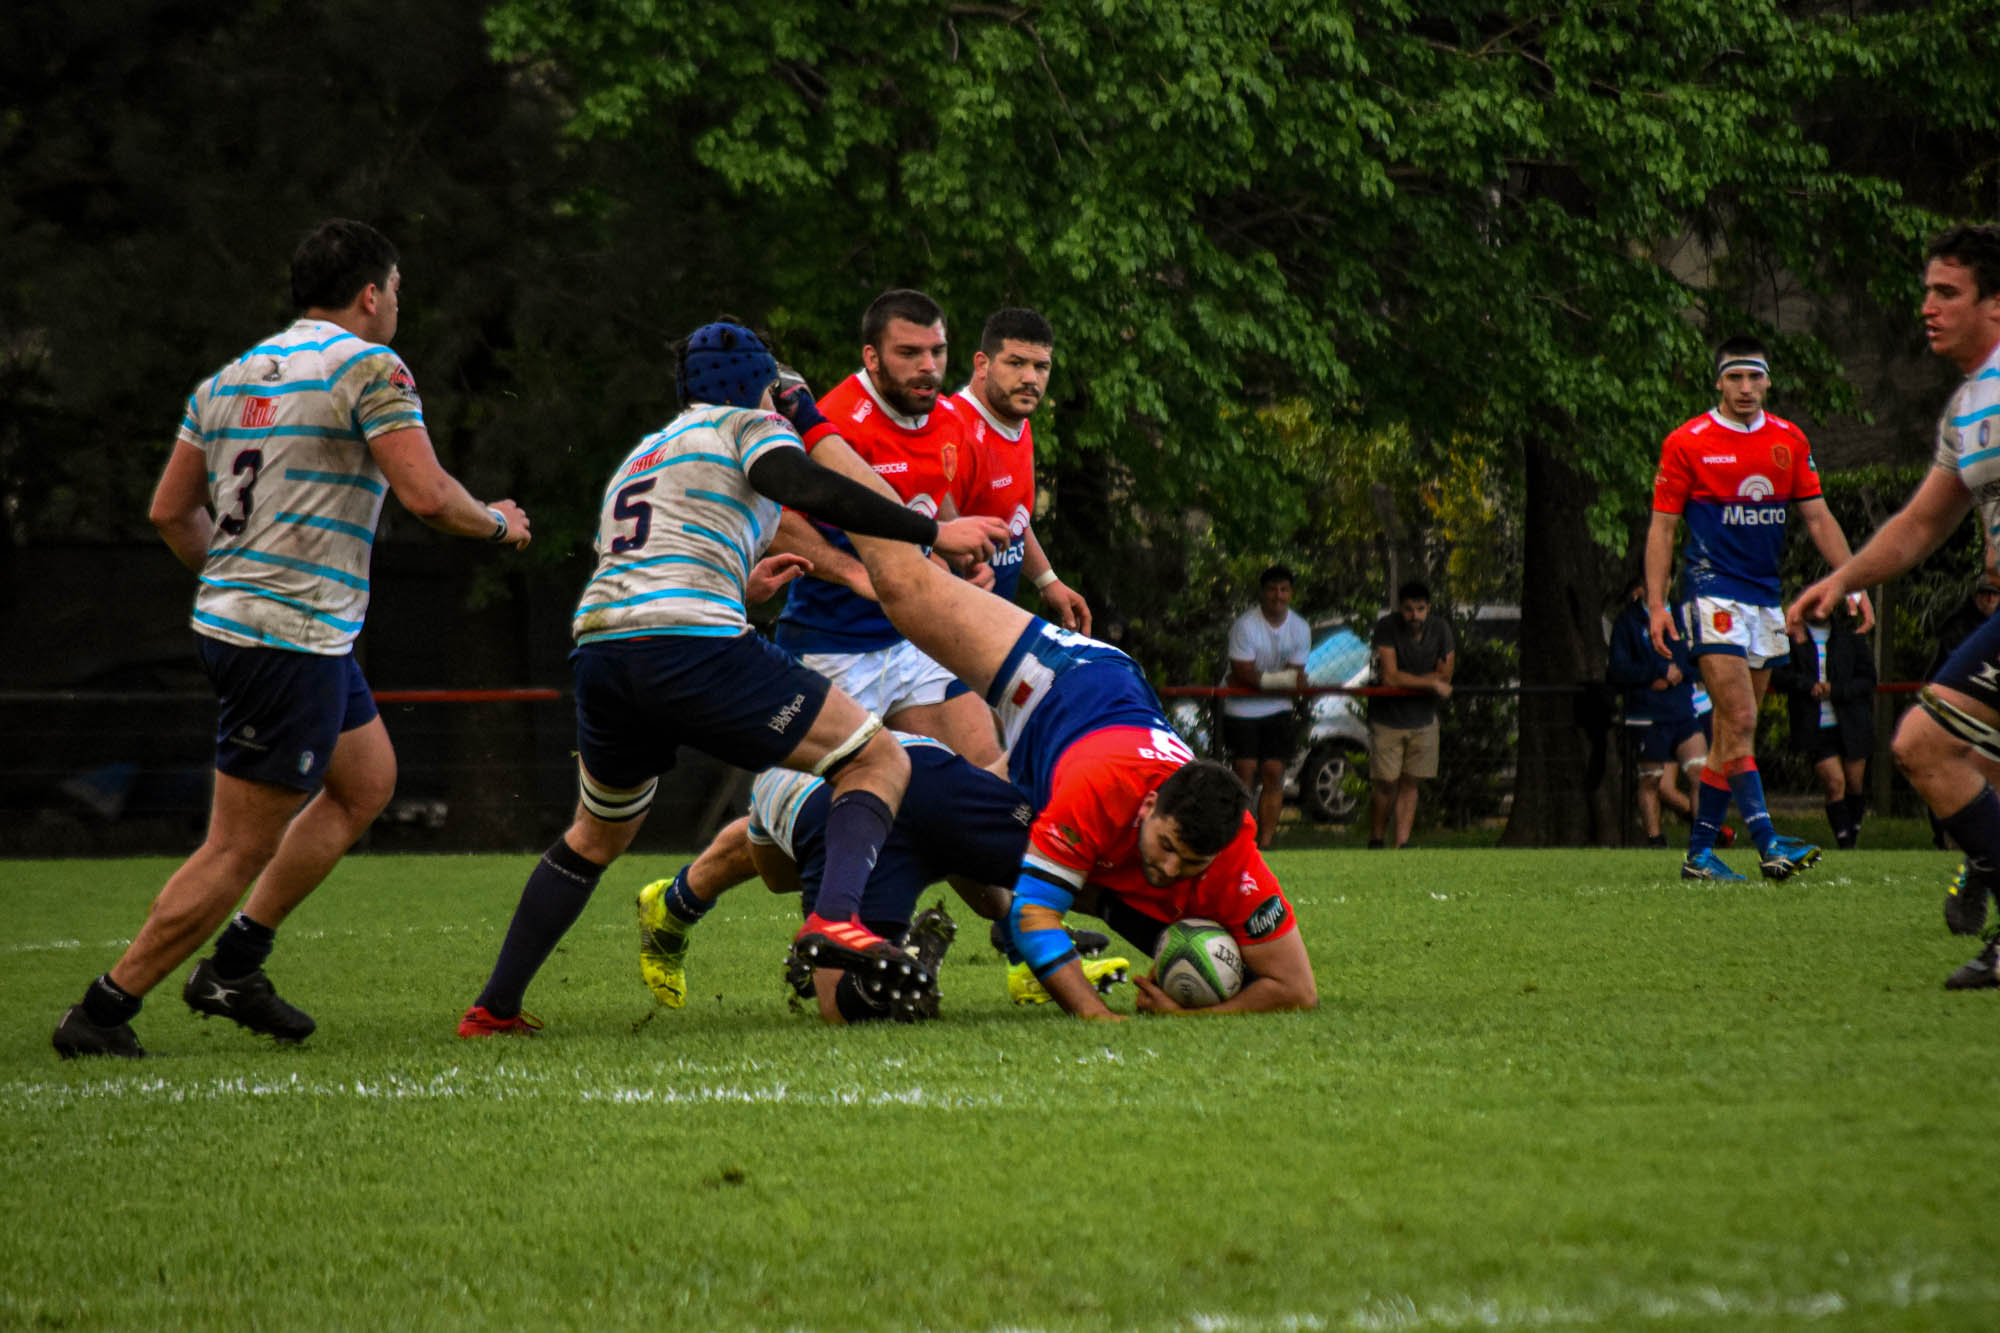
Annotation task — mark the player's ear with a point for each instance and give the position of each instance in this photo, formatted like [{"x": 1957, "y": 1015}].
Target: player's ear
[{"x": 1147, "y": 806}]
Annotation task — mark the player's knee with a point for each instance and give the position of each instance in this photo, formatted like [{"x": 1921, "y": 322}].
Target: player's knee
[{"x": 881, "y": 765}]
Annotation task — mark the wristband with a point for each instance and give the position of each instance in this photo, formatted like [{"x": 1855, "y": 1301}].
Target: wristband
[
  {"x": 500, "y": 519},
  {"x": 1044, "y": 579}
]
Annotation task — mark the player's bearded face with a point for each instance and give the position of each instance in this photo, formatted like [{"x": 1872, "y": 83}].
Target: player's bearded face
[
  {"x": 1016, "y": 379},
  {"x": 1163, "y": 857},
  {"x": 908, "y": 366}
]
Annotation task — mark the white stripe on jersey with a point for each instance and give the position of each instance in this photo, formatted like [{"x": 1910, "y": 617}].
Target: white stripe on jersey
[
  {"x": 296, "y": 494},
  {"x": 1968, "y": 439},
  {"x": 680, "y": 528}
]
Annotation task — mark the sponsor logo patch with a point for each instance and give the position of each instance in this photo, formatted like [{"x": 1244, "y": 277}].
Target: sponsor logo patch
[
  {"x": 890, "y": 469},
  {"x": 1718, "y": 458},
  {"x": 259, "y": 412},
  {"x": 401, "y": 377},
  {"x": 862, "y": 409},
  {"x": 784, "y": 717},
  {"x": 1270, "y": 914},
  {"x": 1022, "y": 693},
  {"x": 1756, "y": 486}
]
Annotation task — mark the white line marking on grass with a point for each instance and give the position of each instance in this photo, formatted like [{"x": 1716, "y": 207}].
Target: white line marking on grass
[{"x": 500, "y": 1085}]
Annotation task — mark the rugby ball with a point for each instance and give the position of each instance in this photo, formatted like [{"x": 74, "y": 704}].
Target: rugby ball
[{"x": 1198, "y": 964}]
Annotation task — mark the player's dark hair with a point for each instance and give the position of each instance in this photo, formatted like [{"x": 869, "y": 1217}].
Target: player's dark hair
[
  {"x": 1415, "y": 590},
  {"x": 1740, "y": 345},
  {"x": 1208, "y": 803},
  {"x": 1019, "y": 323},
  {"x": 336, "y": 260},
  {"x": 1275, "y": 574},
  {"x": 897, "y": 303},
  {"x": 1975, "y": 246}
]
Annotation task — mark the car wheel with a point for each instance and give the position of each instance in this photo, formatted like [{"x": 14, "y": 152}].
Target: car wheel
[{"x": 1332, "y": 783}]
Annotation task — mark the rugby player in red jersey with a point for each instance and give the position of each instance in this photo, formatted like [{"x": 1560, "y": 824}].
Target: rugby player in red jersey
[
  {"x": 1734, "y": 473},
  {"x": 1129, "y": 826},
  {"x": 1010, "y": 376},
  {"x": 892, "y": 414}
]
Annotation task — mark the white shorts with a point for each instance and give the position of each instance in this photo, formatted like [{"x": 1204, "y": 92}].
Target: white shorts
[
  {"x": 885, "y": 681},
  {"x": 1737, "y": 629}
]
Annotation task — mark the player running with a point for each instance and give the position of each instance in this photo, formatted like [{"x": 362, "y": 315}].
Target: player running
[
  {"x": 1010, "y": 376},
  {"x": 1733, "y": 472},
  {"x": 665, "y": 656},
  {"x": 1122, "y": 810},
  {"x": 272, "y": 495},
  {"x": 1949, "y": 748},
  {"x": 956, "y": 822}
]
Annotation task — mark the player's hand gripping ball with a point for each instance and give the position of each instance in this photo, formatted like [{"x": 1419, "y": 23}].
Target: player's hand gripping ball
[{"x": 1198, "y": 964}]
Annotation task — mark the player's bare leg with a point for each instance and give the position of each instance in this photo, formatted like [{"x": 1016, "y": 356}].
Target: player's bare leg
[
  {"x": 965, "y": 629},
  {"x": 360, "y": 779},
  {"x": 246, "y": 824}
]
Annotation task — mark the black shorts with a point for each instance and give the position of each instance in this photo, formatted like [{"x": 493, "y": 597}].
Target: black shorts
[
  {"x": 1823, "y": 743},
  {"x": 1260, "y": 738},
  {"x": 1969, "y": 669},
  {"x": 280, "y": 712},
  {"x": 743, "y": 699}
]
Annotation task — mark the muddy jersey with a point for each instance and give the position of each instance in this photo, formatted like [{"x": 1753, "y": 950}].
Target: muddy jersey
[
  {"x": 1088, "y": 832},
  {"x": 1003, "y": 485},
  {"x": 925, "y": 461},
  {"x": 1968, "y": 439},
  {"x": 680, "y": 528},
  {"x": 1734, "y": 484},
  {"x": 296, "y": 494}
]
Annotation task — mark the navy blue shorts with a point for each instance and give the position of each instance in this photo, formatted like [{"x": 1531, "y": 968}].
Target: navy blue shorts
[
  {"x": 955, "y": 819},
  {"x": 744, "y": 700},
  {"x": 279, "y": 713},
  {"x": 1658, "y": 742},
  {"x": 1971, "y": 667}
]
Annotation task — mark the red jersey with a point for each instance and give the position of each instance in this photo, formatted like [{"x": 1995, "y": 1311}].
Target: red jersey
[
  {"x": 1005, "y": 485},
  {"x": 925, "y": 460},
  {"x": 1734, "y": 485},
  {"x": 1089, "y": 833}
]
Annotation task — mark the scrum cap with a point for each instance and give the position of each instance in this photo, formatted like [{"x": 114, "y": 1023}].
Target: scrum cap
[{"x": 726, "y": 364}]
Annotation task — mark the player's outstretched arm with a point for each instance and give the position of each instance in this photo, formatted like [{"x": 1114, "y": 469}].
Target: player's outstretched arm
[
  {"x": 435, "y": 496},
  {"x": 797, "y": 536},
  {"x": 798, "y": 482},
  {"x": 1911, "y": 533}
]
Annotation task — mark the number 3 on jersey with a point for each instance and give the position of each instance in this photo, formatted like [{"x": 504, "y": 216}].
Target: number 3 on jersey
[
  {"x": 634, "y": 508},
  {"x": 251, "y": 461}
]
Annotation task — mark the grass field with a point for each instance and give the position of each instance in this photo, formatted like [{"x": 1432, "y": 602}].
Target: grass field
[{"x": 1543, "y": 1089}]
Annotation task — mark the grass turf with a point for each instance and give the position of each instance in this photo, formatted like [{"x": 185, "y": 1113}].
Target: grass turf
[{"x": 1546, "y": 1088}]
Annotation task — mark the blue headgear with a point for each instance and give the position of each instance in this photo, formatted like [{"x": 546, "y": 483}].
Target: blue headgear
[{"x": 725, "y": 363}]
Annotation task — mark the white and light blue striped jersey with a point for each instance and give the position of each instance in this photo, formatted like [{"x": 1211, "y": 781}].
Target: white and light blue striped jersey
[
  {"x": 681, "y": 528},
  {"x": 1968, "y": 439},
  {"x": 295, "y": 491}
]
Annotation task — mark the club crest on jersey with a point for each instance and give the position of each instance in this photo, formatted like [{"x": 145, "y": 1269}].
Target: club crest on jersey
[
  {"x": 1781, "y": 457},
  {"x": 259, "y": 412},
  {"x": 948, "y": 460},
  {"x": 1721, "y": 622}
]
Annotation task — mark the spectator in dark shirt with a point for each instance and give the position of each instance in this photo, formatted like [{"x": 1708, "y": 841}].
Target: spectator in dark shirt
[
  {"x": 1413, "y": 650},
  {"x": 1829, "y": 681}
]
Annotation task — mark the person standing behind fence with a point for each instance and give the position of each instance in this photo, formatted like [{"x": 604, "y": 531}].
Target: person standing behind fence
[
  {"x": 1267, "y": 650},
  {"x": 294, "y": 445},
  {"x": 1734, "y": 473},
  {"x": 1665, "y": 702},
  {"x": 1414, "y": 650},
  {"x": 1830, "y": 687}
]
